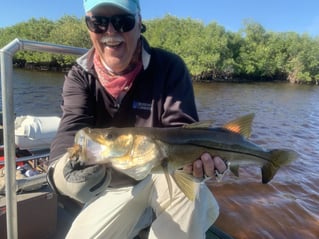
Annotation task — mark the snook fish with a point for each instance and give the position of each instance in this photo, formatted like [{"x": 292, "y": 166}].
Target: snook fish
[{"x": 139, "y": 151}]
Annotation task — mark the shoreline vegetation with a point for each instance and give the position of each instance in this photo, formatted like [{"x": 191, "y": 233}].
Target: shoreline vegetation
[{"x": 211, "y": 53}]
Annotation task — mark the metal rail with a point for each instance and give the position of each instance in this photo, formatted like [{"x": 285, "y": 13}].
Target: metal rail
[
  {"x": 6, "y": 55},
  {"x": 28, "y": 158}
]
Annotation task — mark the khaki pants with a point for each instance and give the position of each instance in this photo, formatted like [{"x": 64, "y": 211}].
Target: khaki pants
[{"x": 116, "y": 214}]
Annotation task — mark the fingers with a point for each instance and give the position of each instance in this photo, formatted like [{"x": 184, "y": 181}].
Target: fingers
[
  {"x": 219, "y": 164},
  {"x": 198, "y": 169},
  {"x": 206, "y": 166},
  {"x": 188, "y": 169}
]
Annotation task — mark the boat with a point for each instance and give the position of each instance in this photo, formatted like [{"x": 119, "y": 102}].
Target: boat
[
  {"x": 33, "y": 136},
  {"x": 28, "y": 206}
]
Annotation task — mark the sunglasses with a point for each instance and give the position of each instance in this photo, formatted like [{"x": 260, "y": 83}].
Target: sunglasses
[{"x": 121, "y": 23}]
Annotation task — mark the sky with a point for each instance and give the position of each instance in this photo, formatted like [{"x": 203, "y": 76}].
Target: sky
[{"x": 301, "y": 16}]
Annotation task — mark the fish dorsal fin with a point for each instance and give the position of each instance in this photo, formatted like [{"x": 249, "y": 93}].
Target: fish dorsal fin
[
  {"x": 200, "y": 124},
  {"x": 241, "y": 125}
]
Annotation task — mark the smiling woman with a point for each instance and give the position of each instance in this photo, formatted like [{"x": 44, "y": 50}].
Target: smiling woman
[{"x": 122, "y": 71}]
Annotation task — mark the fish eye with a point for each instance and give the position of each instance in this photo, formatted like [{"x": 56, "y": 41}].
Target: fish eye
[{"x": 108, "y": 136}]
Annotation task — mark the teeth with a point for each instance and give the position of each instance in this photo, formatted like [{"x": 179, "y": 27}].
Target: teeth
[{"x": 112, "y": 43}]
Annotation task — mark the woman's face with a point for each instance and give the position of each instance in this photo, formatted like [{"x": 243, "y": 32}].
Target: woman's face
[{"x": 115, "y": 49}]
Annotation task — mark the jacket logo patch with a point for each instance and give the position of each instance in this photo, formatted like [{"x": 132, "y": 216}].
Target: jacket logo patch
[{"x": 141, "y": 105}]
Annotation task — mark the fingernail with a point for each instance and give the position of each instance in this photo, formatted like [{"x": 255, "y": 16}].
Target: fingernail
[
  {"x": 198, "y": 164},
  {"x": 205, "y": 157}
]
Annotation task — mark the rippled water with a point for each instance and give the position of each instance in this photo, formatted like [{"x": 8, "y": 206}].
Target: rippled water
[
  {"x": 37, "y": 93},
  {"x": 286, "y": 116}
]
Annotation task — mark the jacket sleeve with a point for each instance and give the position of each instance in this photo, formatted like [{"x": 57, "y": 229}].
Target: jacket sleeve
[
  {"x": 179, "y": 103},
  {"x": 77, "y": 111}
]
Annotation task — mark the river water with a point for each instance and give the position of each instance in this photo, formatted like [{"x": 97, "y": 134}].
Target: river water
[{"x": 286, "y": 116}]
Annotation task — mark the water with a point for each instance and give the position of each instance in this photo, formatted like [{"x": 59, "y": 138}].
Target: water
[
  {"x": 37, "y": 93},
  {"x": 286, "y": 116}
]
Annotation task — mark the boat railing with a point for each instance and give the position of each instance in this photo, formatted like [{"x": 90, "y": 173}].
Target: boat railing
[
  {"x": 34, "y": 157},
  {"x": 6, "y": 57},
  {"x": 36, "y": 181}
]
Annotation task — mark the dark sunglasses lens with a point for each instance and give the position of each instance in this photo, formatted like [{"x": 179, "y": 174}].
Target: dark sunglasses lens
[
  {"x": 121, "y": 23},
  {"x": 97, "y": 24}
]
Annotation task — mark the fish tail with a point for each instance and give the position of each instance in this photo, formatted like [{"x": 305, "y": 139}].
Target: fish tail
[
  {"x": 186, "y": 183},
  {"x": 279, "y": 157}
]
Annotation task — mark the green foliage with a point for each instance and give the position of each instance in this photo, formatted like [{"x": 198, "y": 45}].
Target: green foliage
[
  {"x": 69, "y": 31},
  {"x": 210, "y": 52},
  {"x": 256, "y": 55}
]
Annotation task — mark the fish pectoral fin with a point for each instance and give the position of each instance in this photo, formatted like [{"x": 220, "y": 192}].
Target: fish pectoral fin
[{"x": 187, "y": 183}]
